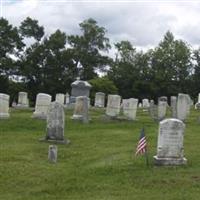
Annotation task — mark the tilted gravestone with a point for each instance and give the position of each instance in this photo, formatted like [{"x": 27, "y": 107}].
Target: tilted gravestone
[
  {"x": 23, "y": 101},
  {"x": 99, "y": 100},
  {"x": 55, "y": 124},
  {"x": 81, "y": 109},
  {"x": 4, "y": 106},
  {"x": 42, "y": 104},
  {"x": 130, "y": 108},
  {"x": 170, "y": 143},
  {"x": 113, "y": 105}
]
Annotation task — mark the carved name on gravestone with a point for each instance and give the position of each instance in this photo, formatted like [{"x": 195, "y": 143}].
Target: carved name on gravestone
[
  {"x": 183, "y": 106},
  {"x": 60, "y": 98},
  {"x": 23, "y": 101},
  {"x": 170, "y": 149},
  {"x": 81, "y": 109},
  {"x": 113, "y": 105},
  {"x": 4, "y": 106},
  {"x": 41, "y": 107},
  {"x": 99, "y": 100},
  {"x": 130, "y": 108}
]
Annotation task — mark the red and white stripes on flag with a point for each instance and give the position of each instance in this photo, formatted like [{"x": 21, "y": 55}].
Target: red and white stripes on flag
[{"x": 142, "y": 144}]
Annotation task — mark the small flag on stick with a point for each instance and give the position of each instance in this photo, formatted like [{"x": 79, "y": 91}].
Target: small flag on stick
[{"x": 142, "y": 144}]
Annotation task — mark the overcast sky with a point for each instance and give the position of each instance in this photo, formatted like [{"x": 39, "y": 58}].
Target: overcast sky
[{"x": 143, "y": 23}]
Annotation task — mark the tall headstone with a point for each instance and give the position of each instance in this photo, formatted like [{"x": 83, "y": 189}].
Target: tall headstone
[
  {"x": 130, "y": 108},
  {"x": 99, "y": 100},
  {"x": 23, "y": 101},
  {"x": 4, "y": 106},
  {"x": 113, "y": 105},
  {"x": 67, "y": 97},
  {"x": 56, "y": 124},
  {"x": 153, "y": 110},
  {"x": 81, "y": 109},
  {"x": 162, "y": 108},
  {"x": 41, "y": 107},
  {"x": 79, "y": 88},
  {"x": 174, "y": 106},
  {"x": 60, "y": 98},
  {"x": 183, "y": 106},
  {"x": 170, "y": 143}
]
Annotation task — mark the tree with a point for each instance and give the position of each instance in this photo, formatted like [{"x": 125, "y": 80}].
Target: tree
[{"x": 87, "y": 48}]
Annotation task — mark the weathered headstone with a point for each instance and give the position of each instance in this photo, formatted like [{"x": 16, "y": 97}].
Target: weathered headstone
[
  {"x": 145, "y": 104},
  {"x": 60, "y": 98},
  {"x": 130, "y": 108},
  {"x": 113, "y": 105},
  {"x": 79, "y": 88},
  {"x": 99, "y": 100},
  {"x": 23, "y": 101},
  {"x": 162, "y": 108},
  {"x": 42, "y": 103},
  {"x": 183, "y": 106},
  {"x": 170, "y": 143},
  {"x": 153, "y": 110},
  {"x": 52, "y": 154},
  {"x": 81, "y": 109},
  {"x": 4, "y": 106},
  {"x": 67, "y": 97},
  {"x": 174, "y": 106}
]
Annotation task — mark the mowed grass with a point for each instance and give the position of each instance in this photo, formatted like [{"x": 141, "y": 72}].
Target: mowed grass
[{"x": 99, "y": 164}]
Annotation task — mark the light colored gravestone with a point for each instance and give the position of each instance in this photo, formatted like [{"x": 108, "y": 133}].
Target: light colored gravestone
[
  {"x": 140, "y": 105},
  {"x": 52, "y": 154},
  {"x": 183, "y": 106},
  {"x": 130, "y": 108},
  {"x": 153, "y": 110},
  {"x": 145, "y": 104},
  {"x": 99, "y": 100},
  {"x": 81, "y": 109},
  {"x": 4, "y": 106},
  {"x": 23, "y": 101},
  {"x": 60, "y": 98},
  {"x": 162, "y": 108},
  {"x": 67, "y": 97},
  {"x": 170, "y": 143},
  {"x": 174, "y": 106},
  {"x": 55, "y": 124},
  {"x": 42, "y": 103},
  {"x": 113, "y": 105}
]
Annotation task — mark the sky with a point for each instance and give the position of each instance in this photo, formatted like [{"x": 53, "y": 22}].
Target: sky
[{"x": 143, "y": 22}]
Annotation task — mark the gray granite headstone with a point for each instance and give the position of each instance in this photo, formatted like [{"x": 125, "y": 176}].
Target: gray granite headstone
[
  {"x": 170, "y": 149},
  {"x": 4, "y": 106}
]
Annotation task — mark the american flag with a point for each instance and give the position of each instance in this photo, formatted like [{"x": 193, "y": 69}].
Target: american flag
[{"x": 142, "y": 144}]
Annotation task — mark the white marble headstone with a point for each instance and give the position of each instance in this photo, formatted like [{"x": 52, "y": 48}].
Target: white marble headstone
[
  {"x": 99, "y": 99},
  {"x": 130, "y": 108},
  {"x": 4, "y": 106},
  {"x": 113, "y": 105},
  {"x": 23, "y": 101},
  {"x": 170, "y": 143},
  {"x": 42, "y": 104},
  {"x": 60, "y": 98},
  {"x": 162, "y": 108}
]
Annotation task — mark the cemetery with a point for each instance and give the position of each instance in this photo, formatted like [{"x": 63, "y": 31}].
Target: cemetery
[{"x": 96, "y": 160}]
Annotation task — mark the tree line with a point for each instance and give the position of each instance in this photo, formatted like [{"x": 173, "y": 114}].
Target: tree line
[{"x": 50, "y": 63}]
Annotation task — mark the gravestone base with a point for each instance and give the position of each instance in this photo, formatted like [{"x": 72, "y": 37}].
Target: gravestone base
[
  {"x": 65, "y": 141},
  {"x": 4, "y": 115},
  {"x": 169, "y": 161},
  {"x": 39, "y": 116}
]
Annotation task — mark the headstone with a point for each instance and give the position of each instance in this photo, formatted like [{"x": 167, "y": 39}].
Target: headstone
[
  {"x": 130, "y": 108},
  {"x": 81, "y": 109},
  {"x": 4, "y": 106},
  {"x": 140, "y": 105},
  {"x": 183, "y": 106},
  {"x": 170, "y": 143},
  {"x": 79, "y": 88},
  {"x": 52, "y": 154},
  {"x": 60, "y": 98},
  {"x": 23, "y": 101},
  {"x": 42, "y": 103},
  {"x": 145, "y": 104},
  {"x": 163, "y": 98},
  {"x": 113, "y": 105},
  {"x": 153, "y": 110},
  {"x": 162, "y": 108},
  {"x": 174, "y": 106},
  {"x": 55, "y": 124},
  {"x": 67, "y": 97},
  {"x": 99, "y": 100}
]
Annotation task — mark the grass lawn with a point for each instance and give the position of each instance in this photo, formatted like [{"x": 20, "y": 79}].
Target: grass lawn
[{"x": 99, "y": 164}]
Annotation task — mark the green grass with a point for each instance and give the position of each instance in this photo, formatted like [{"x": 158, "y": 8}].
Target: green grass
[{"x": 99, "y": 164}]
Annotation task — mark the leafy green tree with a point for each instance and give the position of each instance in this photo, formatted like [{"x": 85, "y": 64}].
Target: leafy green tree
[{"x": 87, "y": 48}]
